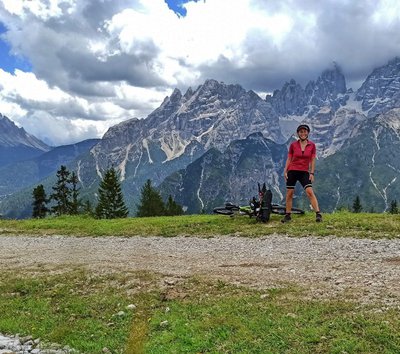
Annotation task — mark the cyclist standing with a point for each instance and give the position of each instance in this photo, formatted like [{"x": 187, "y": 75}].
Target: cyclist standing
[{"x": 300, "y": 166}]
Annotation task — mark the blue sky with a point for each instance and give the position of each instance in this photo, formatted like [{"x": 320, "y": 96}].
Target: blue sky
[
  {"x": 9, "y": 62},
  {"x": 176, "y": 5},
  {"x": 70, "y": 69}
]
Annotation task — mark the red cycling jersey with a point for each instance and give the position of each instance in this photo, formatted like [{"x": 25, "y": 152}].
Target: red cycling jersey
[{"x": 300, "y": 160}]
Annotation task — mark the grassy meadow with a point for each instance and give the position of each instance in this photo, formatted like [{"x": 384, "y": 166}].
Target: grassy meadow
[
  {"x": 341, "y": 224},
  {"x": 91, "y": 312}
]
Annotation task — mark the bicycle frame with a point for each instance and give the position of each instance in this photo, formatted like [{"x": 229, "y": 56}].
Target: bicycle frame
[{"x": 261, "y": 208}]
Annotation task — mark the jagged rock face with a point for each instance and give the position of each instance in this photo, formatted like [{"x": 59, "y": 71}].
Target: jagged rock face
[
  {"x": 12, "y": 136},
  {"x": 183, "y": 128},
  {"x": 334, "y": 124},
  {"x": 203, "y": 133},
  {"x": 368, "y": 165},
  {"x": 290, "y": 100},
  {"x": 16, "y": 144},
  {"x": 328, "y": 90},
  {"x": 330, "y": 129},
  {"x": 233, "y": 175},
  {"x": 381, "y": 90},
  {"x": 322, "y": 105}
]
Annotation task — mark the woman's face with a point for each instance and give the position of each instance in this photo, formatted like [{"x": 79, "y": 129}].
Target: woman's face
[{"x": 303, "y": 134}]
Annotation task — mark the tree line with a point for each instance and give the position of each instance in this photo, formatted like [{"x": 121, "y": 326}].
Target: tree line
[
  {"x": 357, "y": 206},
  {"x": 64, "y": 200}
]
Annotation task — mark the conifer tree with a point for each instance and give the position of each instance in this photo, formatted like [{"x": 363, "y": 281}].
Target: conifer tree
[
  {"x": 111, "y": 202},
  {"x": 39, "y": 202},
  {"x": 75, "y": 203},
  {"x": 62, "y": 192},
  {"x": 87, "y": 208},
  {"x": 357, "y": 207},
  {"x": 393, "y": 207},
  {"x": 151, "y": 203},
  {"x": 172, "y": 207}
]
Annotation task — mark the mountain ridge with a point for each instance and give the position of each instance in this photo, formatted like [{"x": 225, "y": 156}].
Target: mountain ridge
[{"x": 202, "y": 127}]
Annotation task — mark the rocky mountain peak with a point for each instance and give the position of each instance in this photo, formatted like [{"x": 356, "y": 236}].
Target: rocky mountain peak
[
  {"x": 380, "y": 92},
  {"x": 12, "y": 136},
  {"x": 189, "y": 93},
  {"x": 176, "y": 96},
  {"x": 212, "y": 88},
  {"x": 290, "y": 100},
  {"x": 335, "y": 79},
  {"x": 327, "y": 88}
]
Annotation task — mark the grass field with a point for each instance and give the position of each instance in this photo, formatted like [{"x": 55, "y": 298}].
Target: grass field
[
  {"x": 90, "y": 312},
  {"x": 341, "y": 224}
]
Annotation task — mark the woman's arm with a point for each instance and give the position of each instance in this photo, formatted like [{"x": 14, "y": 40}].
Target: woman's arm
[
  {"x": 288, "y": 160},
  {"x": 312, "y": 169}
]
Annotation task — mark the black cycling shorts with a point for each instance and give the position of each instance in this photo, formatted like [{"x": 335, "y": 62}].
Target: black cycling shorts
[{"x": 302, "y": 176}]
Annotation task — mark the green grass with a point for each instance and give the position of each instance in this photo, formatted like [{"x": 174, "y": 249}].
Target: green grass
[
  {"x": 342, "y": 224},
  {"x": 233, "y": 320},
  {"x": 73, "y": 308},
  {"x": 195, "y": 316},
  {"x": 78, "y": 308}
]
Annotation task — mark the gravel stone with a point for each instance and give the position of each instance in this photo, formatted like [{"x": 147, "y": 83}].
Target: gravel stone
[{"x": 326, "y": 266}]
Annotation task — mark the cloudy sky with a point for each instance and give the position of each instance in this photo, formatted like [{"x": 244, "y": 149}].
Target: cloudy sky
[{"x": 69, "y": 69}]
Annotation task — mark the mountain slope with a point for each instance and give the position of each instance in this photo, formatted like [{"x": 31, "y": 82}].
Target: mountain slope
[
  {"x": 16, "y": 144},
  {"x": 367, "y": 166},
  {"x": 194, "y": 133},
  {"x": 233, "y": 175},
  {"x": 177, "y": 133},
  {"x": 380, "y": 92},
  {"x": 18, "y": 175}
]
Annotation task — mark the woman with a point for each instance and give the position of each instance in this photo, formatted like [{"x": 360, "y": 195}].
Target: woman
[{"x": 300, "y": 166}]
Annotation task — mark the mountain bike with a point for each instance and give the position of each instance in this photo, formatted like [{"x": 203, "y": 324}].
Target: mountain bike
[{"x": 261, "y": 208}]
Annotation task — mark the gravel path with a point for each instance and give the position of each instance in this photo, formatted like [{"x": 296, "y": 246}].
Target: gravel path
[{"x": 365, "y": 270}]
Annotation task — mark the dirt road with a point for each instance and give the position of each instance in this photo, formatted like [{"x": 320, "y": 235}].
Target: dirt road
[{"x": 363, "y": 270}]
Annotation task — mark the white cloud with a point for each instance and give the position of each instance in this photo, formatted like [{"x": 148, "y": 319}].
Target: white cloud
[
  {"x": 98, "y": 62},
  {"x": 58, "y": 117},
  {"x": 27, "y": 86},
  {"x": 41, "y": 9},
  {"x": 59, "y": 130}
]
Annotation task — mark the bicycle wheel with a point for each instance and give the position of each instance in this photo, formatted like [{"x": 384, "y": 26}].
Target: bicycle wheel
[
  {"x": 223, "y": 211},
  {"x": 297, "y": 211},
  {"x": 278, "y": 209},
  {"x": 281, "y": 210}
]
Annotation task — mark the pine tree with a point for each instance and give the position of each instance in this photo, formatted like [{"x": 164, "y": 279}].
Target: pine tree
[
  {"x": 75, "y": 203},
  {"x": 393, "y": 207},
  {"x": 62, "y": 192},
  {"x": 151, "y": 203},
  {"x": 172, "y": 207},
  {"x": 39, "y": 202},
  {"x": 357, "y": 207},
  {"x": 87, "y": 208},
  {"x": 111, "y": 202}
]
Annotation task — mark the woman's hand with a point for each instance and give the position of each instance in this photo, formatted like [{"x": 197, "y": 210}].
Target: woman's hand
[
  {"x": 285, "y": 175},
  {"x": 312, "y": 177}
]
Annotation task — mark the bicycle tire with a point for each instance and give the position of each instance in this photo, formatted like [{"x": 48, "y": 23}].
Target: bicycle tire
[
  {"x": 265, "y": 214},
  {"x": 281, "y": 210},
  {"x": 297, "y": 211},
  {"x": 223, "y": 211}
]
